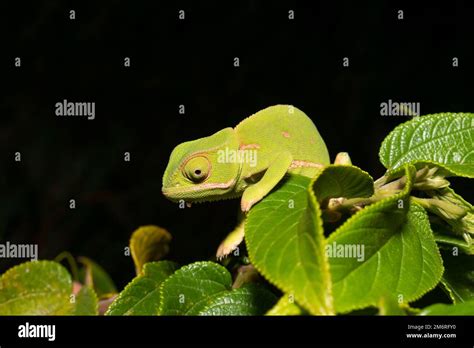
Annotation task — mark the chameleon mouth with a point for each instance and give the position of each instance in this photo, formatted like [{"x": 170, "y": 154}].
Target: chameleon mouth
[{"x": 178, "y": 192}]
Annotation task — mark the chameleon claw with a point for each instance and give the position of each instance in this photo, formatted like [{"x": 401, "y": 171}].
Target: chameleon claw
[{"x": 224, "y": 250}]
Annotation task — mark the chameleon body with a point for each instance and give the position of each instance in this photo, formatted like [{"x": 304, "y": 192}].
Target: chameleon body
[{"x": 248, "y": 160}]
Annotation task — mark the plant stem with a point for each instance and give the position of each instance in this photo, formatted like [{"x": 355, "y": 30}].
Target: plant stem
[{"x": 71, "y": 261}]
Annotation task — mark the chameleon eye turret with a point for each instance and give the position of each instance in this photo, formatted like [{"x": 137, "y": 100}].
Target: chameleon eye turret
[{"x": 197, "y": 169}]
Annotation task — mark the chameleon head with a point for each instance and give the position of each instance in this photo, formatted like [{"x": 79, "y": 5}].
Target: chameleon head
[{"x": 197, "y": 172}]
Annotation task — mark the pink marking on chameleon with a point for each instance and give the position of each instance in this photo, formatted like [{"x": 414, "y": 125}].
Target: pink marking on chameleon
[
  {"x": 299, "y": 164},
  {"x": 285, "y": 134},
  {"x": 249, "y": 146}
]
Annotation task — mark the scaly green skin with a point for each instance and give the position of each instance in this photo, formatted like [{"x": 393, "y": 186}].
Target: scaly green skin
[{"x": 281, "y": 138}]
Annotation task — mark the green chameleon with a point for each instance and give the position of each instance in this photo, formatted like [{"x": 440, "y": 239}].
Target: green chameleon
[{"x": 248, "y": 160}]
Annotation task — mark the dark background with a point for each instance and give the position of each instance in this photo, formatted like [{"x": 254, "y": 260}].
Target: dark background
[{"x": 190, "y": 62}]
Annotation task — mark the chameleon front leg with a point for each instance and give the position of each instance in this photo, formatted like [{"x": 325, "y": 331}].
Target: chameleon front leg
[{"x": 274, "y": 173}]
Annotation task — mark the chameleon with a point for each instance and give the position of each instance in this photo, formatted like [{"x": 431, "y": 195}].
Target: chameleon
[{"x": 246, "y": 161}]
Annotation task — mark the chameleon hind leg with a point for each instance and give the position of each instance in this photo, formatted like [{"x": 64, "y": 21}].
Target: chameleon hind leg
[{"x": 232, "y": 240}]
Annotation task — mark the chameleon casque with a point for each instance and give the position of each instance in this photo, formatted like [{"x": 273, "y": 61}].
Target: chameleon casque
[{"x": 247, "y": 161}]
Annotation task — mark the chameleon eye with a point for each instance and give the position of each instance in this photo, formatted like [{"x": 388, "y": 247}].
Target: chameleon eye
[{"x": 197, "y": 169}]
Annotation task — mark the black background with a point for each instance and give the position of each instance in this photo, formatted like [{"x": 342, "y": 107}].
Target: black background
[{"x": 190, "y": 62}]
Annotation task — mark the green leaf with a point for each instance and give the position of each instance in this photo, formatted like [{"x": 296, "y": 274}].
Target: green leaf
[
  {"x": 445, "y": 140},
  {"x": 466, "y": 308},
  {"x": 36, "y": 288},
  {"x": 342, "y": 181},
  {"x": 192, "y": 284},
  {"x": 286, "y": 306},
  {"x": 250, "y": 299},
  {"x": 149, "y": 243},
  {"x": 458, "y": 277},
  {"x": 96, "y": 277},
  {"x": 399, "y": 255},
  {"x": 285, "y": 242},
  {"x": 86, "y": 302},
  {"x": 142, "y": 295},
  {"x": 205, "y": 288}
]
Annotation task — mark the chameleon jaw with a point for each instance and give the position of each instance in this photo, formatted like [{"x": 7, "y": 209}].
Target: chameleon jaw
[{"x": 176, "y": 193}]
